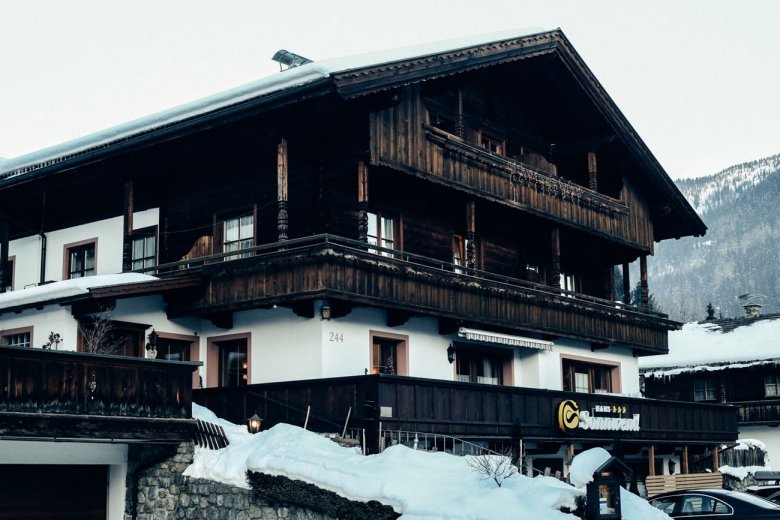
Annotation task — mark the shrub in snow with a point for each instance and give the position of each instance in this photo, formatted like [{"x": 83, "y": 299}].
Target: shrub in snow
[{"x": 493, "y": 466}]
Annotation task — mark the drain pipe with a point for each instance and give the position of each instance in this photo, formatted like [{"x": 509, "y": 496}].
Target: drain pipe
[{"x": 43, "y": 242}]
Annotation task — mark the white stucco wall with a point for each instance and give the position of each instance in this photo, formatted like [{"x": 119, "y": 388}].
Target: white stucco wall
[
  {"x": 27, "y": 250},
  {"x": 51, "y": 318}
]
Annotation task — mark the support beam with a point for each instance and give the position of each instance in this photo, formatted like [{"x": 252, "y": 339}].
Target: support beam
[
  {"x": 127, "y": 225},
  {"x": 362, "y": 202},
  {"x": 715, "y": 465},
  {"x": 460, "y": 122},
  {"x": 555, "y": 256},
  {"x": 651, "y": 461},
  {"x": 593, "y": 179},
  {"x": 281, "y": 181},
  {"x": 5, "y": 275},
  {"x": 643, "y": 282},
  {"x": 626, "y": 285},
  {"x": 684, "y": 460},
  {"x": 471, "y": 235}
]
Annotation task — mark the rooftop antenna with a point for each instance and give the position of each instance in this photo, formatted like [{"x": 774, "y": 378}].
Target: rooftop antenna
[{"x": 290, "y": 59}]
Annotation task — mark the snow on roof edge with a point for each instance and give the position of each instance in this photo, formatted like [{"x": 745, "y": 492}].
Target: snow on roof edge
[
  {"x": 68, "y": 289},
  {"x": 290, "y": 78}
]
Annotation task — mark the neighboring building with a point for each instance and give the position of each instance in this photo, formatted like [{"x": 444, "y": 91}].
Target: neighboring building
[
  {"x": 424, "y": 239},
  {"x": 732, "y": 361}
]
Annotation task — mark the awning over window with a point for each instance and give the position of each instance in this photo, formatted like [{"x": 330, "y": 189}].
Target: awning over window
[{"x": 503, "y": 339}]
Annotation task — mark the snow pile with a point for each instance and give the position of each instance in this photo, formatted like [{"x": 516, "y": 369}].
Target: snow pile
[
  {"x": 698, "y": 343},
  {"x": 421, "y": 485},
  {"x": 741, "y": 472},
  {"x": 632, "y": 507},
  {"x": 68, "y": 288}
]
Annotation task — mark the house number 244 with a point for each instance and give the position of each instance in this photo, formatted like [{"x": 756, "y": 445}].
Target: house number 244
[{"x": 336, "y": 337}]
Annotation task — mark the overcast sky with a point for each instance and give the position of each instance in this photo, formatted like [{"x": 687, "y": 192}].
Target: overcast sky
[{"x": 699, "y": 80}]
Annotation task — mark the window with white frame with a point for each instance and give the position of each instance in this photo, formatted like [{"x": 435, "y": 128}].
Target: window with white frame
[
  {"x": 772, "y": 386},
  {"x": 586, "y": 377},
  {"x": 238, "y": 234},
  {"x": 16, "y": 337},
  {"x": 144, "y": 248},
  {"x": 381, "y": 233},
  {"x": 568, "y": 282},
  {"x": 478, "y": 366},
  {"x": 705, "y": 390}
]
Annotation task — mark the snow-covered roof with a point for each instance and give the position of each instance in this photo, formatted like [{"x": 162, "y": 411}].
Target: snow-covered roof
[
  {"x": 65, "y": 290},
  {"x": 702, "y": 346},
  {"x": 289, "y": 79}
]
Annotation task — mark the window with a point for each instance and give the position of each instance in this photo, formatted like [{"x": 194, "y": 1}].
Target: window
[
  {"x": 479, "y": 366},
  {"x": 228, "y": 360},
  {"x": 491, "y": 144},
  {"x": 8, "y": 273},
  {"x": 772, "y": 386},
  {"x": 80, "y": 260},
  {"x": 389, "y": 353},
  {"x": 458, "y": 253},
  {"x": 589, "y": 377},
  {"x": 238, "y": 233},
  {"x": 118, "y": 338},
  {"x": 568, "y": 282},
  {"x": 381, "y": 232},
  {"x": 144, "y": 248},
  {"x": 702, "y": 505},
  {"x": 173, "y": 349},
  {"x": 705, "y": 390},
  {"x": 16, "y": 337}
]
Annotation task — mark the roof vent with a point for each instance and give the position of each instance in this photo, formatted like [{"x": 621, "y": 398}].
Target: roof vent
[
  {"x": 751, "y": 304},
  {"x": 290, "y": 59}
]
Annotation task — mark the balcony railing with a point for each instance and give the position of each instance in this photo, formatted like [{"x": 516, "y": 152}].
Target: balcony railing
[
  {"x": 325, "y": 266},
  {"x": 466, "y": 410},
  {"x": 765, "y": 411},
  {"x": 74, "y": 395}
]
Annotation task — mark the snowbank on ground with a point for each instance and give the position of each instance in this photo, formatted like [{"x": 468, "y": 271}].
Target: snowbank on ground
[
  {"x": 421, "y": 485},
  {"x": 632, "y": 507}
]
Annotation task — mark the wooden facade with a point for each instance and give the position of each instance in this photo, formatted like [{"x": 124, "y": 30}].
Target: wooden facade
[{"x": 71, "y": 395}]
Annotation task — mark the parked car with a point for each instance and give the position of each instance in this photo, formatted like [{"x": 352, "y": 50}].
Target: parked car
[
  {"x": 771, "y": 493},
  {"x": 715, "y": 503}
]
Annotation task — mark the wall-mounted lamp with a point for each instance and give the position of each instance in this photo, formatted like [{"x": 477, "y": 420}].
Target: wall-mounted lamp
[
  {"x": 254, "y": 423},
  {"x": 450, "y": 353},
  {"x": 151, "y": 345},
  {"x": 325, "y": 311}
]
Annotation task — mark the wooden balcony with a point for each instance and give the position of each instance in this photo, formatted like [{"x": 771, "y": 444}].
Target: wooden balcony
[
  {"x": 766, "y": 411},
  {"x": 324, "y": 266},
  {"x": 464, "y": 410},
  {"x": 63, "y": 395}
]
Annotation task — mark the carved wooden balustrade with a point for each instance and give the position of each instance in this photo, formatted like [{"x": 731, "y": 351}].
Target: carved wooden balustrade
[{"x": 72, "y": 395}]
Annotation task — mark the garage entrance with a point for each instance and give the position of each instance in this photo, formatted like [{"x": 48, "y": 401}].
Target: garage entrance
[{"x": 53, "y": 492}]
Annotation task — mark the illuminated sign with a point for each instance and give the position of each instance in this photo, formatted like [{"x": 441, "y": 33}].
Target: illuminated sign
[{"x": 600, "y": 417}]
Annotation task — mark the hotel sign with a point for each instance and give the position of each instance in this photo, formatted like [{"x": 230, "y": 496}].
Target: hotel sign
[{"x": 602, "y": 417}]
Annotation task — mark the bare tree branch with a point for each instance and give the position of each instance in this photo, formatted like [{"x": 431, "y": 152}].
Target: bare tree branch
[{"x": 498, "y": 467}]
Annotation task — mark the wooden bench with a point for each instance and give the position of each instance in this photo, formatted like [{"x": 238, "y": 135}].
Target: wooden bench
[{"x": 663, "y": 483}]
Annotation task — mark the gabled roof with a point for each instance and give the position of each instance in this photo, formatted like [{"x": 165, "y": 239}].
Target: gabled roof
[{"x": 357, "y": 76}]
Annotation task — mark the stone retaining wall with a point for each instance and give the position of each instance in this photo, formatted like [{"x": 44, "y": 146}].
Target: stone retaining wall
[{"x": 163, "y": 493}]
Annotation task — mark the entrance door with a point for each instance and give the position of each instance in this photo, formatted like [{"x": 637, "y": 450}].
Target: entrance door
[{"x": 53, "y": 492}]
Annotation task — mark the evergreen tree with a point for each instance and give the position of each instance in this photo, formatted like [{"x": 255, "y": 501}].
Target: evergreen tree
[
  {"x": 710, "y": 311},
  {"x": 636, "y": 299}
]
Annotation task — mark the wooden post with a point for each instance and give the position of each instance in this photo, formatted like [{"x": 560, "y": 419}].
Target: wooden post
[
  {"x": 555, "y": 235},
  {"x": 593, "y": 180},
  {"x": 626, "y": 285},
  {"x": 281, "y": 181},
  {"x": 684, "y": 460},
  {"x": 460, "y": 123},
  {"x": 127, "y": 224},
  {"x": 609, "y": 288},
  {"x": 5, "y": 276},
  {"x": 715, "y": 459},
  {"x": 643, "y": 282},
  {"x": 651, "y": 461},
  {"x": 362, "y": 202},
  {"x": 471, "y": 235}
]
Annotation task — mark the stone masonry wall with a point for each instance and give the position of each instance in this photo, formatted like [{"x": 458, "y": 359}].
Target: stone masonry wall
[{"x": 163, "y": 493}]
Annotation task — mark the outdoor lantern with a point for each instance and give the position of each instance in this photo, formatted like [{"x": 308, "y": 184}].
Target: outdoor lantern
[
  {"x": 325, "y": 311},
  {"x": 152, "y": 337},
  {"x": 254, "y": 423},
  {"x": 450, "y": 353}
]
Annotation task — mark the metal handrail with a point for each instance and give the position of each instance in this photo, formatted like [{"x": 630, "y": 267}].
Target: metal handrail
[{"x": 389, "y": 257}]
